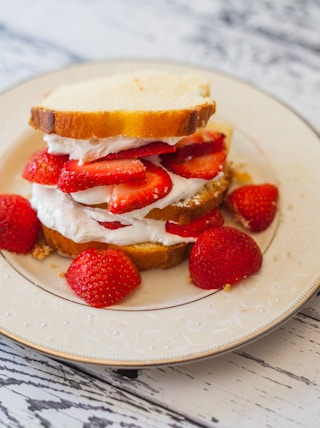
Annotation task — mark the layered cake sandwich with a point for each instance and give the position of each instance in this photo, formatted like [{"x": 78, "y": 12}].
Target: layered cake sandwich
[{"x": 131, "y": 161}]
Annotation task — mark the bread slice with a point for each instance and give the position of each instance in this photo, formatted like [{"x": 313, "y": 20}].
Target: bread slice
[
  {"x": 147, "y": 255},
  {"x": 134, "y": 104}
]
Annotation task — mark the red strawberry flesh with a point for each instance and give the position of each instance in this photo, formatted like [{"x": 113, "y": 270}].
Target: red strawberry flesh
[
  {"x": 154, "y": 148},
  {"x": 200, "y": 155},
  {"x": 193, "y": 229},
  {"x": 223, "y": 255},
  {"x": 206, "y": 166},
  {"x": 112, "y": 225},
  {"x": 195, "y": 145},
  {"x": 141, "y": 193},
  {"x": 75, "y": 177}
]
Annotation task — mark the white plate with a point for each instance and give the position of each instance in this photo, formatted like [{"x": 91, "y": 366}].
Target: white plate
[{"x": 168, "y": 320}]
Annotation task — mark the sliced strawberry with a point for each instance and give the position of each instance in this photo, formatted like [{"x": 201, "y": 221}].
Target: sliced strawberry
[
  {"x": 75, "y": 177},
  {"x": 203, "y": 135},
  {"x": 212, "y": 218},
  {"x": 44, "y": 167},
  {"x": 196, "y": 145},
  {"x": 190, "y": 140},
  {"x": 201, "y": 155},
  {"x": 102, "y": 277},
  {"x": 138, "y": 194},
  {"x": 112, "y": 225},
  {"x": 222, "y": 256},
  {"x": 254, "y": 205},
  {"x": 206, "y": 166},
  {"x": 154, "y": 148}
]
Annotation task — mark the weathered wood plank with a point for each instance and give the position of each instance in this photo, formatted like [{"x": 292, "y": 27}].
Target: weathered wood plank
[
  {"x": 312, "y": 309},
  {"x": 36, "y": 391},
  {"x": 275, "y": 380}
]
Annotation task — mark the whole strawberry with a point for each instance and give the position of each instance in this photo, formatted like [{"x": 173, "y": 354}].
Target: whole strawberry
[
  {"x": 223, "y": 255},
  {"x": 19, "y": 225},
  {"x": 255, "y": 205},
  {"x": 102, "y": 277}
]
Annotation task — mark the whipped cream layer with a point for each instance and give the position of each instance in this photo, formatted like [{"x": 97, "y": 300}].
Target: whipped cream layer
[
  {"x": 74, "y": 216},
  {"x": 182, "y": 188},
  {"x": 95, "y": 148},
  {"x": 58, "y": 211},
  {"x": 61, "y": 212}
]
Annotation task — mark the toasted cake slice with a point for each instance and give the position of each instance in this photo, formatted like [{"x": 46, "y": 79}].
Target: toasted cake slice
[{"x": 142, "y": 103}]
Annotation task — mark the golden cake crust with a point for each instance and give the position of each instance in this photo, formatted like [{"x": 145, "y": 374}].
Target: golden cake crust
[
  {"x": 147, "y": 255},
  {"x": 103, "y": 124}
]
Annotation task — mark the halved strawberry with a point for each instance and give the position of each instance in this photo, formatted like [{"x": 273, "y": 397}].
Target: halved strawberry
[
  {"x": 206, "y": 166},
  {"x": 196, "y": 145},
  {"x": 254, "y": 205},
  {"x": 222, "y": 256},
  {"x": 75, "y": 177},
  {"x": 102, "y": 277},
  {"x": 213, "y": 218},
  {"x": 44, "y": 167},
  {"x": 141, "y": 193},
  {"x": 154, "y": 148}
]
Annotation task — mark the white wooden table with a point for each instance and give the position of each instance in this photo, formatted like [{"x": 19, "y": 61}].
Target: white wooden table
[{"x": 273, "y": 382}]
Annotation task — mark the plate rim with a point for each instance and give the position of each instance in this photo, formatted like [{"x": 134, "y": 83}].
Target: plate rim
[{"x": 308, "y": 294}]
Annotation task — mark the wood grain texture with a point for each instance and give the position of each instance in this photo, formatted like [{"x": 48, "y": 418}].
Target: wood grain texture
[
  {"x": 273, "y": 382},
  {"x": 36, "y": 391}
]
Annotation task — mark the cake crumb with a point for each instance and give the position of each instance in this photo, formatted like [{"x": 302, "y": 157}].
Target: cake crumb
[
  {"x": 241, "y": 176},
  {"x": 41, "y": 250},
  {"x": 227, "y": 287}
]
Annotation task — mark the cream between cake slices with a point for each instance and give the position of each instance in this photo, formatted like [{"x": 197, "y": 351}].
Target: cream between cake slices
[
  {"x": 58, "y": 211},
  {"x": 95, "y": 148},
  {"x": 72, "y": 216}
]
